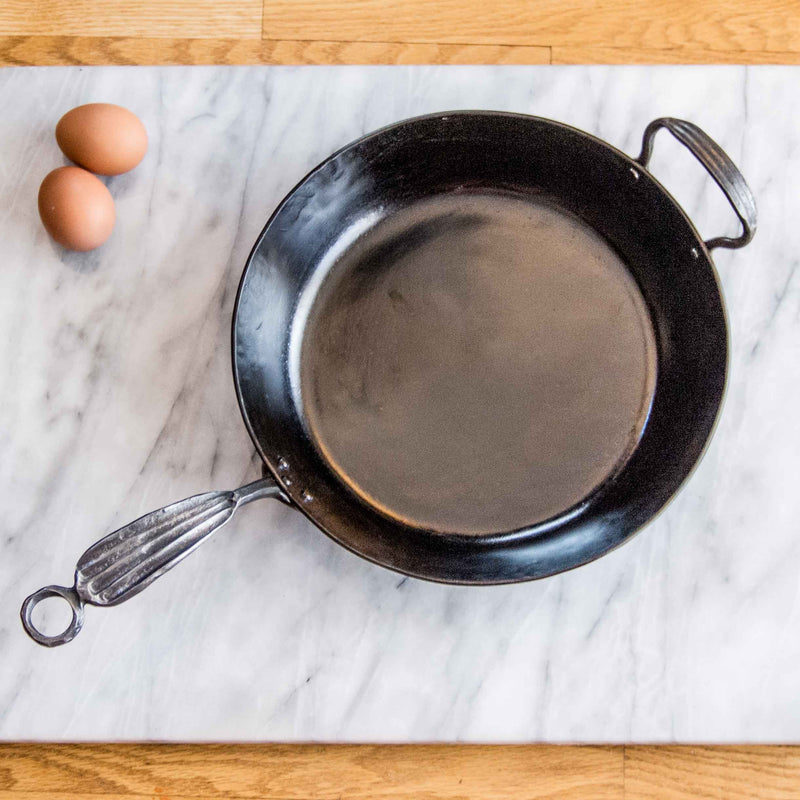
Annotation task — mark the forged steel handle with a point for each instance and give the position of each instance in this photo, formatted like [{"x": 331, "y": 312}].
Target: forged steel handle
[
  {"x": 719, "y": 166},
  {"x": 124, "y": 562}
]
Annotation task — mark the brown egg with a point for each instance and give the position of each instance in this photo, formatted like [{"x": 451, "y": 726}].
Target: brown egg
[
  {"x": 76, "y": 208},
  {"x": 102, "y": 137}
]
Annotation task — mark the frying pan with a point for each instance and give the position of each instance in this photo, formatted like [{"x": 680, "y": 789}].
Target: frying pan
[{"x": 471, "y": 347}]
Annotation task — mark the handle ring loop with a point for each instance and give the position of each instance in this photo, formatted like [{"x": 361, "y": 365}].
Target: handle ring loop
[{"x": 70, "y": 632}]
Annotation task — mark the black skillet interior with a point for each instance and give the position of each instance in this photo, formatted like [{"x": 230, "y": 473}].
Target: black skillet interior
[{"x": 405, "y": 165}]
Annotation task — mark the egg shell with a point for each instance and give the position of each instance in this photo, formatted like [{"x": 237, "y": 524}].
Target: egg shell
[
  {"x": 102, "y": 137},
  {"x": 76, "y": 208}
]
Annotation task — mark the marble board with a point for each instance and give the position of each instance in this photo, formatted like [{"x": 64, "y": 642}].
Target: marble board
[{"x": 117, "y": 399}]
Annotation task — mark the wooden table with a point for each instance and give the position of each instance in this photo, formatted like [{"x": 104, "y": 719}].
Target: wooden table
[
  {"x": 399, "y": 31},
  {"x": 38, "y": 32}
]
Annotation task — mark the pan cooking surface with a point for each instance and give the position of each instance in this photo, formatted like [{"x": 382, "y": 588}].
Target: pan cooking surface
[{"x": 476, "y": 361}]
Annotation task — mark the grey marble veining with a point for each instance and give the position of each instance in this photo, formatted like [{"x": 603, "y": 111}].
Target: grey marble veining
[{"x": 117, "y": 399}]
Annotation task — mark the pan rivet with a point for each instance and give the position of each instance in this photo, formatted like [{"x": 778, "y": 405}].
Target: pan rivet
[
  {"x": 634, "y": 172},
  {"x": 695, "y": 253},
  {"x": 283, "y": 465},
  {"x": 307, "y": 496},
  {"x": 287, "y": 481}
]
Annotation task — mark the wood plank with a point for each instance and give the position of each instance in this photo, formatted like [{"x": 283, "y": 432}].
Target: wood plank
[
  {"x": 736, "y": 25},
  {"x": 226, "y": 18},
  {"x": 711, "y": 773},
  {"x": 88, "y": 50},
  {"x": 309, "y": 772},
  {"x": 56, "y": 50},
  {"x": 590, "y": 54},
  {"x": 403, "y": 772}
]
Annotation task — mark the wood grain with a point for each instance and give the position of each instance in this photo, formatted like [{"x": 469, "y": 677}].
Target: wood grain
[
  {"x": 234, "y": 18},
  {"x": 590, "y": 54},
  {"x": 130, "y": 50},
  {"x": 391, "y": 32},
  {"x": 731, "y": 25},
  {"x": 718, "y": 773},
  {"x": 55, "y": 50},
  {"x": 308, "y": 772},
  {"x": 400, "y": 772}
]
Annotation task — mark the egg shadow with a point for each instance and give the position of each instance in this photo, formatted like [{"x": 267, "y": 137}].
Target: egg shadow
[
  {"x": 84, "y": 263},
  {"x": 119, "y": 185}
]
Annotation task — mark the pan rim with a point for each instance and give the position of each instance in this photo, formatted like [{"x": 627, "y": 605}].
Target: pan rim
[{"x": 541, "y": 530}]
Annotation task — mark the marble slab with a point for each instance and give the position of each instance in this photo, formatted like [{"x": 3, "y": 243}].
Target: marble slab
[{"x": 117, "y": 399}]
